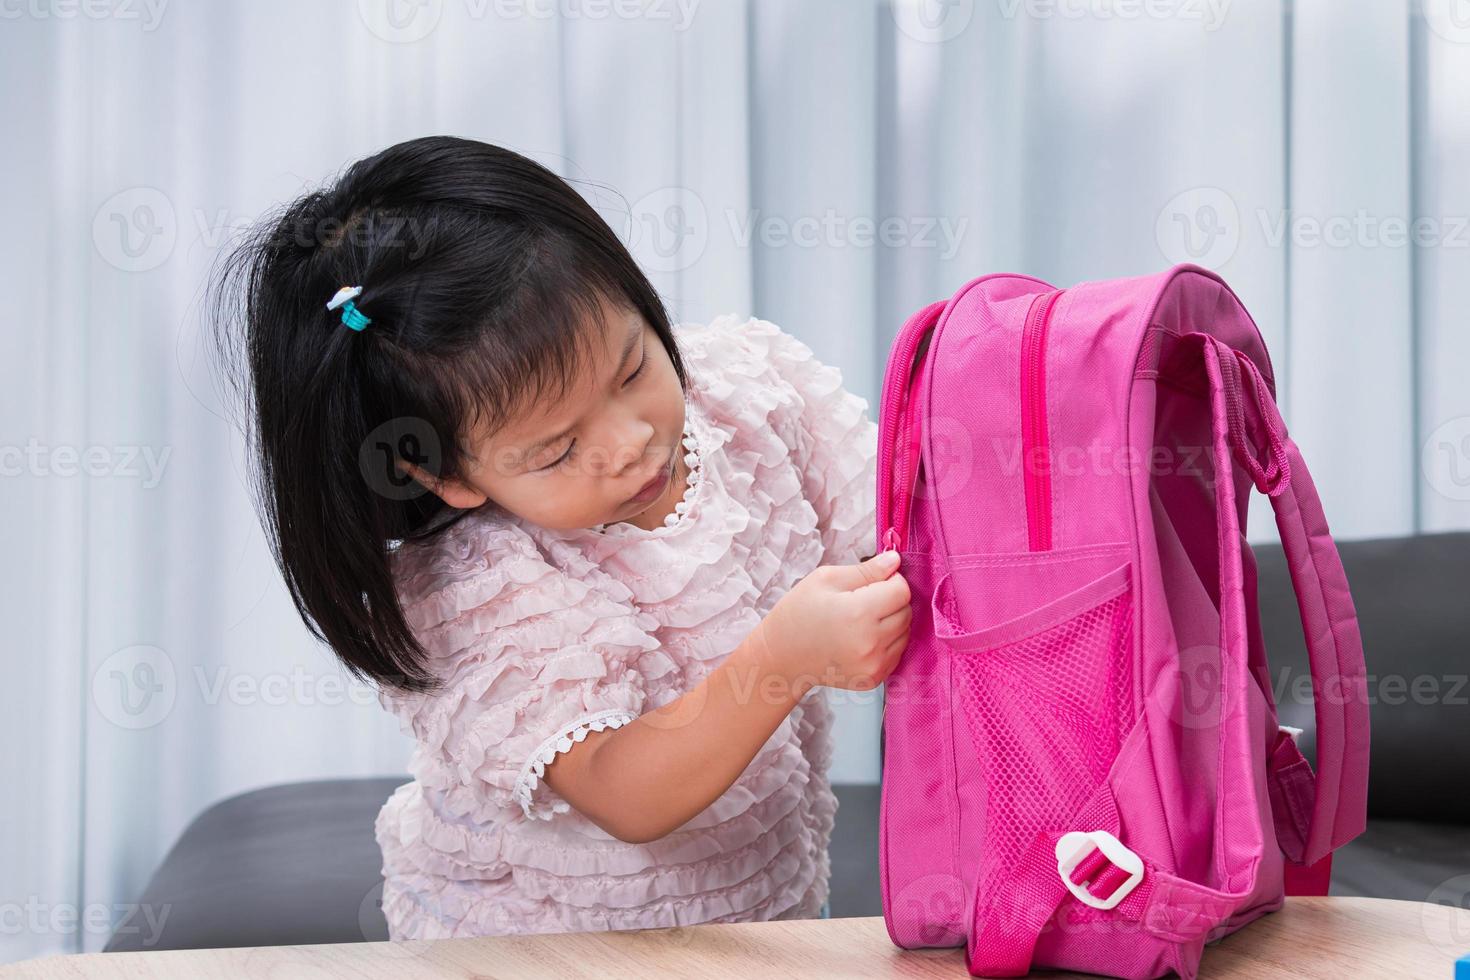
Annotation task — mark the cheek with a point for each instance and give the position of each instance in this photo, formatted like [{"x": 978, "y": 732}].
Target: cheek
[{"x": 561, "y": 501}]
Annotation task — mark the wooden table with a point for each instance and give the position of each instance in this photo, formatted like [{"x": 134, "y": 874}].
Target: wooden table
[{"x": 1310, "y": 937}]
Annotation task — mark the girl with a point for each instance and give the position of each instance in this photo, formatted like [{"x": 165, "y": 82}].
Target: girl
[{"x": 576, "y": 547}]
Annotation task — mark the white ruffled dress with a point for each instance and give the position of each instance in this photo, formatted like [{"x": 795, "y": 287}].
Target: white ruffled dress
[{"x": 545, "y": 635}]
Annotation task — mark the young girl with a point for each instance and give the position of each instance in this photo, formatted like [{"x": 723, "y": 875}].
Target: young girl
[{"x": 576, "y": 547}]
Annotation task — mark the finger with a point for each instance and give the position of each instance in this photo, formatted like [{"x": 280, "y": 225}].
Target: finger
[
  {"x": 875, "y": 569},
  {"x": 893, "y": 653},
  {"x": 897, "y": 620},
  {"x": 886, "y": 596},
  {"x": 898, "y": 646}
]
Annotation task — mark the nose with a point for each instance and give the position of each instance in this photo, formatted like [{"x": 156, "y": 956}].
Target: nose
[{"x": 634, "y": 447}]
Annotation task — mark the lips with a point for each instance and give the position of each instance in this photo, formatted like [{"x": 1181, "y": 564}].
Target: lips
[{"x": 652, "y": 487}]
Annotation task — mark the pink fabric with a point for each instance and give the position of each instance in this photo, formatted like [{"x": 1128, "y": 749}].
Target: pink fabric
[
  {"x": 1067, "y": 472},
  {"x": 543, "y": 633}
]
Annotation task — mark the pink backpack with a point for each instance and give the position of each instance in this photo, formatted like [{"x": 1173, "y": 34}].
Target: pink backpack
[{"x": 1082, "y": 764}]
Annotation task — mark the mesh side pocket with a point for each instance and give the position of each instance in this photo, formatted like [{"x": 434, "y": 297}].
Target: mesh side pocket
[{"x": 1047, "y": 715}]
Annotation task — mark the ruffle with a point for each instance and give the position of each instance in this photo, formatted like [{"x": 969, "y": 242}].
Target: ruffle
[
  {"x": 768, "y": 792},
  {"x": 838, "y": 441},
  {"x": 541, "y": 653},
  {"x": 794, "y": 885},
  {"x": 777, "y": 846}
]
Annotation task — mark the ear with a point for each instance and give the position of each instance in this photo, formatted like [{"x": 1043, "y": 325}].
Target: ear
[{"x": 453, "y": 492}]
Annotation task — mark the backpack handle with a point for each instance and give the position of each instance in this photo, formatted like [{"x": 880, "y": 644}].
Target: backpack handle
[{"x": 1329, "y": 619}]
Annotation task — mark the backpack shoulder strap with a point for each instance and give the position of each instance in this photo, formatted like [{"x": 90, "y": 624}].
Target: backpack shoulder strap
[{"x": 1329, "y": 619}]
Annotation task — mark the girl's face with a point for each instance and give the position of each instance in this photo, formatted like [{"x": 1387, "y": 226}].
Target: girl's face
[{"x": 584, "y": 460}]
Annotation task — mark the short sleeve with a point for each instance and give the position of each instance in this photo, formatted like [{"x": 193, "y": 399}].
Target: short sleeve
[
  {"x": 534, "y": 657},
  {"x": 837, "y": 446}
]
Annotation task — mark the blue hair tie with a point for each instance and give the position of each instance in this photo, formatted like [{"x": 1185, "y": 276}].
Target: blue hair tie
[{"x": 351, "y": 315}]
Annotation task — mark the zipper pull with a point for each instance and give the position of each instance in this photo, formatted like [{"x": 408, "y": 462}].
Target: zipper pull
[{"x": 890, "y": 539}]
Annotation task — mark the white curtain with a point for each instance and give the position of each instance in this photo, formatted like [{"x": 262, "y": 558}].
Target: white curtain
[{"x": 829, "y": 165}]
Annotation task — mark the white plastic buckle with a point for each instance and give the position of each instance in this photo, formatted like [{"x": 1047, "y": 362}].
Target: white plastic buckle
[{"x": 1075, "y": 846}]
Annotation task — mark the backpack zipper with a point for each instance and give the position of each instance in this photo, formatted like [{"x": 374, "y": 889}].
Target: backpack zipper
[
  {"x": 1035, "y": 448},
  {"x": 896, "y": 466}
]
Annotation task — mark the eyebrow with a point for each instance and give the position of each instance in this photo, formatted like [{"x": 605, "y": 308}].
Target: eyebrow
[{"x": 628, "y": 346}]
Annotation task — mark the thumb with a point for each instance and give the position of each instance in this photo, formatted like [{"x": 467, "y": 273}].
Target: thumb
[{"x": 875, "y": 569}]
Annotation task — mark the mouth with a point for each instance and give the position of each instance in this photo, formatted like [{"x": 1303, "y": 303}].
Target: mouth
[{"x": 653, "y": 488}]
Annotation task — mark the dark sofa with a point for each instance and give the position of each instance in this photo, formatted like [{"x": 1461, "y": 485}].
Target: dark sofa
[{"x": 298, "y": 863}]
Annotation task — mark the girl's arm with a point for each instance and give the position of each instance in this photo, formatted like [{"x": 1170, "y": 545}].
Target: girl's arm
[{"x": 844, "y": 626}]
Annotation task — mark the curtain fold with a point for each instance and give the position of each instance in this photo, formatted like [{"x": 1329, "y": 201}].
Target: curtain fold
[{"x": 830, "y": 166}]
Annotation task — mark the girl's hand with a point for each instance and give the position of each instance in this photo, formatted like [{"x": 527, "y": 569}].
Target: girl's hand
[{"x": 842, "y": 626}]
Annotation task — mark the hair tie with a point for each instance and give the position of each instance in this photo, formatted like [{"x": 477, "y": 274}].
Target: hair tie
[{"x": 351, "y": 315}]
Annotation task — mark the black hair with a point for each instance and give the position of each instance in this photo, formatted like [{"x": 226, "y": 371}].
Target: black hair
[{"x": 481, "y": 271}]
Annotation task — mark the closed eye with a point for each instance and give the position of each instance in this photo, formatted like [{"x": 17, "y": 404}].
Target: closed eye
[
  {"x": 641, "y": 364},
  {"x": 560, "y": 459}
]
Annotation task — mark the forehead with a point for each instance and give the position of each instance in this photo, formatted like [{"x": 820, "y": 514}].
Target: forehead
[{"x": 607, "y": 338}]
